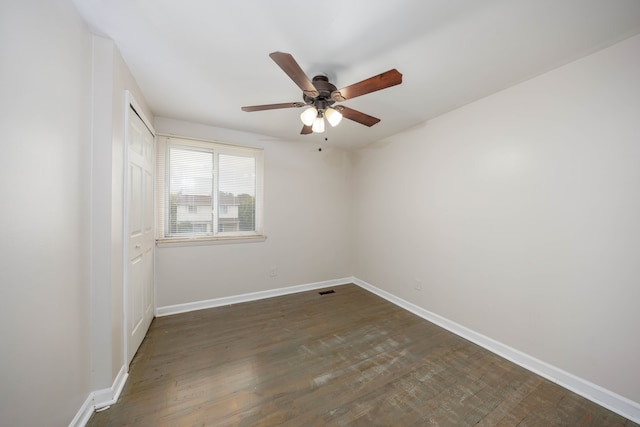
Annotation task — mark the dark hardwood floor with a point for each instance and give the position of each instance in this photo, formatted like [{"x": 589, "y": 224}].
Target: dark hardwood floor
[{"x": 348, "y": 358}]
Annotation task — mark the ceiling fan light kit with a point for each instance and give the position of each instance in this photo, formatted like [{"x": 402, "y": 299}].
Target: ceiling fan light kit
[
  {"x": 320, "y": 95},
  {"x": 318, "y": 124},
  {"x": 309, "y": 115},
  {"x": 333, "y": 116}
]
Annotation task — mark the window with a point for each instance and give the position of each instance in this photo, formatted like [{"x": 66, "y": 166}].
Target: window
[{"x": 208, "y": 190}]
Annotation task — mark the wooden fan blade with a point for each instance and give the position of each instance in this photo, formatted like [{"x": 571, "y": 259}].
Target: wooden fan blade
[
  {"x": 306, "y": 130},
  {"x": 274, "y": 106},
  {"x": 357, "y": 116},
  {"x": 295, "y": 73},
  {"x": 381, "y": 81}
]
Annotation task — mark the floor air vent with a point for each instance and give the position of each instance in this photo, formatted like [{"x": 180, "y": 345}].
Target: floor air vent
[{"x": 327, "y": 292}]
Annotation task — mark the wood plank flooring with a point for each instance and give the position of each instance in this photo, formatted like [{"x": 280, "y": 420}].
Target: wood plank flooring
[{"x": 348, "y": 358}]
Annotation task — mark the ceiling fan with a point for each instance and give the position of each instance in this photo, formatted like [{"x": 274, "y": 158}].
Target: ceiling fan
[{"x": 320, "y": 96}]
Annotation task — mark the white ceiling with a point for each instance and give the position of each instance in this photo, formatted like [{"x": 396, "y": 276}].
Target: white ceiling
[{"x": 201, "y": 60}]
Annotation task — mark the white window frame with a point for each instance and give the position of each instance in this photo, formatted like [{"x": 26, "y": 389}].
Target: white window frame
[{"x": 164, "y": 143}]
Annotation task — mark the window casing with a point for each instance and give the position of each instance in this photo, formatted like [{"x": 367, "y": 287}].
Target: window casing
[{"x": 208, "y": 190}]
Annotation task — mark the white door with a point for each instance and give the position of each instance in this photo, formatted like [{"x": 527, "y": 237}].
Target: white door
[{"x": 139, "y": 295}]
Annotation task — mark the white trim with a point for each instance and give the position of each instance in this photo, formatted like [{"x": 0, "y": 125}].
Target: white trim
[
  {"x": 100, "y": 399},
  {"x": 84, "y": 414},
  {"x": 253, "y": 296},
  {"x": 109, "y": 396},
  {"x": 200, "y": 241},
  {"x": 131, "y": 101},
  {"x": 215, "y": 141},
  {"x": 593, "y": 392}
]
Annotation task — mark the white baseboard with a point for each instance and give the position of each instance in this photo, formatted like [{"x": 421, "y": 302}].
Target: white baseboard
[
  {"x": 84, "y": 414},
  {"x": 100, "y": 399},
  {"x": 109, "y": 396},
  {"x": 597, "y": 394},
  {"x": 253, "y": 296}
]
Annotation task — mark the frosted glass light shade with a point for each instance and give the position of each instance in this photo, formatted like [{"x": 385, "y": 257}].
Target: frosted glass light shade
[
  {"x": 318, "y": 125},
  {"x": 333, "y": 116},
  {"x": 308, "y": 116}
]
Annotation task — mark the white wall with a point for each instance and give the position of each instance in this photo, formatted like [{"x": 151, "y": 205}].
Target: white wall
[
  {"x": 520, "y": 216},
  {"x": 307, "y": 213},
  {"x": 45, "y": 103}
]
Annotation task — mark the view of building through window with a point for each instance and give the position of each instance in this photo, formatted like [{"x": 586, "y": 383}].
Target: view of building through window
[{"x": 210, "y": 192}]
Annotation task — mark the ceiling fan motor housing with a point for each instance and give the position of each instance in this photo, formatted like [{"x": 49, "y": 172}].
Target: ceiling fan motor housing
[{"x": 324, "y": 88}]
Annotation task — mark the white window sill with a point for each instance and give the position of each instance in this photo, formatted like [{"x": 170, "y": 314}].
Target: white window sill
[{"x": 204, "y": 241}]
